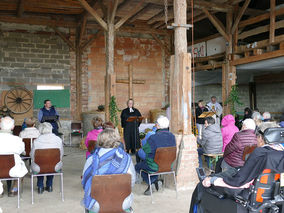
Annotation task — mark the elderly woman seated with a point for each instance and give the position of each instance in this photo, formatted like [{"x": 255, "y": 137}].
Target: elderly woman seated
[
  {"x": 107, "y": 159},
  {"x": 47, "y": 140}
]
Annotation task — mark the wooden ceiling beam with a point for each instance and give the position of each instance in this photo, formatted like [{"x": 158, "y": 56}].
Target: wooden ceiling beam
[
  {"x": 114, "y": 11},
  {"x": 217, "y": 23},
  {"x": 136, "y": 9},
  {"x": 123, "y": 4},
  {"x": 87, "y": 7},
  {"x": 20, "y": 9},
  {"x": 212, "y": 6},
  {"x": 82, "y": 29},
  {"x": 163, "y": 46},
  {"x": 239, "y": 16},
  {"x": 61, "y": 35},
  {"x": 141, "y": 12},
  {"x": 103, "y": 7}
]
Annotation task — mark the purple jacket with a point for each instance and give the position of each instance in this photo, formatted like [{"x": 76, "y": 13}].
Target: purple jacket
[
  {"x": 228, "y": 130},
  {"x": 92, "y": 135},
  {"x": 234, "y": 150}
]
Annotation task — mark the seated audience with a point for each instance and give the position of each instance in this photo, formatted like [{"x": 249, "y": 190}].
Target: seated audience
[
  {"x": 47, "y": 140},
  {"x": 266, "y": 117},
  {"x": 141, "y": 155},
  {"x": 30, "y": 131},
  {"x": 265, "y": 156},
  {"x": 10, "y": 144},
  {"x": 107, "y": 159},
  {"x": 212, "y": 141},
  {"x": 228, "y": 129},
  {"x": 93, "y": 134},
  {"x": 234, "y": 150},
  {"x": 162, "y": 138},
  {"x": 200, "y": 121},
  {"x": 247, "y": 113}
]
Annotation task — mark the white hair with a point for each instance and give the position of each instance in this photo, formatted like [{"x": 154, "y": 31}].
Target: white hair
[
  {"x": 256, "y": 116},
  {"x": 266, "y": 115},
  {"x": 249, "y": 124},
  {"x": 45, "y": 128},
  {"x": 7, "y": 123},
  {"x": 163, "y": 122}
]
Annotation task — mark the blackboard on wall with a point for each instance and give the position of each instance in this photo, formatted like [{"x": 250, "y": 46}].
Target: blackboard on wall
[{"x": 59, "y": 98}]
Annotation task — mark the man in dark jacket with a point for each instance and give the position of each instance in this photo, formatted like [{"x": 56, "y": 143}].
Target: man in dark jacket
[
  {"x": 162, "y": 138},
  {"x": 212, "y": 141},
  {"x": 234, "y": 150},
  {"x": 50, "y": 115}
]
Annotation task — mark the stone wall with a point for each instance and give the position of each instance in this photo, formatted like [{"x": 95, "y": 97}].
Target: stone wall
[{"x": 146, "y": 58}]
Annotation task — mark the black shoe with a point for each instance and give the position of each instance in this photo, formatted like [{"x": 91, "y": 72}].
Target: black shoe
[
  {"x": 48, "y": 188},
  {"x": 158, "y": 184},
  {"x": 40, "y": 190},
  {"x": 148, "y": 192}
]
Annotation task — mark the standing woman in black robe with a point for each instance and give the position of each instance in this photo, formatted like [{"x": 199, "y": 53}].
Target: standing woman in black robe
[{"x": 129, "y": 127}]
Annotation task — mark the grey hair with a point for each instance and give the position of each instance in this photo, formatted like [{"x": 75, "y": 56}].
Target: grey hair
[
  {"x": 109, "y": 138},
  {"x": 256, "y": 116},
  {"x": 266, "y": 115},
  {"x": 45, "y": 128},
  {"x": 249, "y": 124},
  {"x": 7, "y": 123},
  {"x": 163, "y": 122}
]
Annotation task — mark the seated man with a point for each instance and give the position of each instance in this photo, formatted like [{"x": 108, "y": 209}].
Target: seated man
[
  {"x": 162, "y": 138},
  {"x": 30, "y": 131},
  {"x": 47, "y": 140},
  {"x": 141, "y": 155},
  {"x": 268, "y": 155},
  {"x": 10, "y": 144},
  {"x": 212, "y": 140},
  {"x": 234, "y": 150}
]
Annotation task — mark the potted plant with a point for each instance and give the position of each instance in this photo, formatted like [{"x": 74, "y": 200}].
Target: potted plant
[
  {"x": 113, "y": 110},
  {"x": 233, "y": 100}
]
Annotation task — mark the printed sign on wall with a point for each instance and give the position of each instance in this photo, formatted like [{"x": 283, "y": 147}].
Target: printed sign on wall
[{"x": 199, "y": 50}]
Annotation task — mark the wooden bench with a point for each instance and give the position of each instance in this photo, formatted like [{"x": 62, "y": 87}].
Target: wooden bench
[{"x": 213, "y": 158}]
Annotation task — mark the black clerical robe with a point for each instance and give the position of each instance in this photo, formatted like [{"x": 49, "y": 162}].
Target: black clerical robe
[{"x": 129, "y": 129}]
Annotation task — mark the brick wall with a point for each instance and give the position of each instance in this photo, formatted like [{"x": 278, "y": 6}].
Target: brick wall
[
  {"x": 28, "y": 59},
  {"x": 146, "y": 58}
]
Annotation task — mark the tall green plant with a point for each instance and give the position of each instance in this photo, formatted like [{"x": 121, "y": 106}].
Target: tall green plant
[
  {"x": 233, "y": 100},
  {"x": 113, "y": 110}
]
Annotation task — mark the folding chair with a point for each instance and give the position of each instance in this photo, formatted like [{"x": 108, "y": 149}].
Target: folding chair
[
  {"x": 107, "y": 187},
  {"x": 46, "y": 159},
  {"x": 28, "y": 146},
  {"x": 164, "y": 157},
  {"x": 76, "y": 130},
  {"x": 6, "y": 163}
]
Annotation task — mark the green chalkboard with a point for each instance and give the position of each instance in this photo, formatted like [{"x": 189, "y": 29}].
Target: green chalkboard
[{"x": 59, "y": 98}]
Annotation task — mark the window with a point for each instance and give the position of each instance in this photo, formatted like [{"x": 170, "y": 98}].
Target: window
[{"x": 50, "y": 87}]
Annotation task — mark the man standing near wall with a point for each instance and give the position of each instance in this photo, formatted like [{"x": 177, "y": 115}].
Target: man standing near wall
[
  {"x": 49, "y": 114},
  {"x": 215, "y": 107}
]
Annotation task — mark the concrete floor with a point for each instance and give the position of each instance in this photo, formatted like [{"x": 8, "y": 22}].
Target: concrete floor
[{"x": 164, "y": 201}]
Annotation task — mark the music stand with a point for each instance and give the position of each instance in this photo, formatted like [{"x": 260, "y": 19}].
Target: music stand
[{"x": 135, "y": 119}]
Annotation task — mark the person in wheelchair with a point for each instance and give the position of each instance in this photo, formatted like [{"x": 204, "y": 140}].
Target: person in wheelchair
[{"x": 253, "y": 188}]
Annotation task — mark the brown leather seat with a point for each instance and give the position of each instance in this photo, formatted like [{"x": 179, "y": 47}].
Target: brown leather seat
[
  {"x": 110, "y": 191},
  {"x": 28, "y": 145},
  {"x": 17, "y": 130},
  {"x": 247, "y": 151},
  {"x": 47, "y": 159},
  {"x": 6, "y": 163},
  {"x": 164, "y": 157}
]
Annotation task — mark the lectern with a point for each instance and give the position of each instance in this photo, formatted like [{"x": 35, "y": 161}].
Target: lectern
[{"x": 135, "y": 119}]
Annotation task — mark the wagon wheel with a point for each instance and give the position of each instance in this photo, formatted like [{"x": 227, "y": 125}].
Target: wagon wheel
[{"x": 19, "y": 100}]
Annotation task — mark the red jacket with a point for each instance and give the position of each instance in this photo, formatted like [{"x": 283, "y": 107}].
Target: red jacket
[{"x": 234, "y": 150}]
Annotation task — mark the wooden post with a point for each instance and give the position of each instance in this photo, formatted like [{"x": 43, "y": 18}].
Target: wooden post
[
  {"x": 272, "y": 22},
  {"x": 109, "y": 65},
  {"x": 130, "y": 76},
  {"x": 252, "y": 95},
  {"x": 78, "y": 83}
]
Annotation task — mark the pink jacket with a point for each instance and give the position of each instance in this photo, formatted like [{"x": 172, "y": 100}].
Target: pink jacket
[
  {"x": 92, "y": 135},
  {"x": 228, "y": 130}
]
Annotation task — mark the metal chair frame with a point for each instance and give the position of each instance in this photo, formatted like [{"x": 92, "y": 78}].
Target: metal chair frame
[{"x": 81, "y": 133}]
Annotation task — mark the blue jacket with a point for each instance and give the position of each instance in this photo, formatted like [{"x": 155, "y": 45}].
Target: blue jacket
[
  {"x": 43, "y": 112},
  {"x": 141, "y": 152}
]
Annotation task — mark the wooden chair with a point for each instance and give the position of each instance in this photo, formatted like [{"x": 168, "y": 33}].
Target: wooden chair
[
  {"x": 17, "y": 130},
  {"x": 110, "y": 191},
  {"x": 76, "y": 130},
  {"x": 247, "y": 151},
  {"x": 213, "y": 159},
  {"x": 164, "y": 158},
  {"x": 28, "y": 146},
  {"x": 46, "y": 159},
  {"x": 6, "y": 163}
]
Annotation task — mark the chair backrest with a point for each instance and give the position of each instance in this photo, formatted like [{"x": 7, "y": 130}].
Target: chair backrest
[
  {"x": 76, "y": 126},
  {"x": 264, "y": 186},
  {"x": 247, "y": 151},
  {"x": 17, "y": 130},
  {"x": 164, "y": 157},
  {"x": 28, "y": 145},
  {"x": 110, "y": 191},
  {"x": 6, "y": 163},
  {"x": 46, "y": 159}
]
